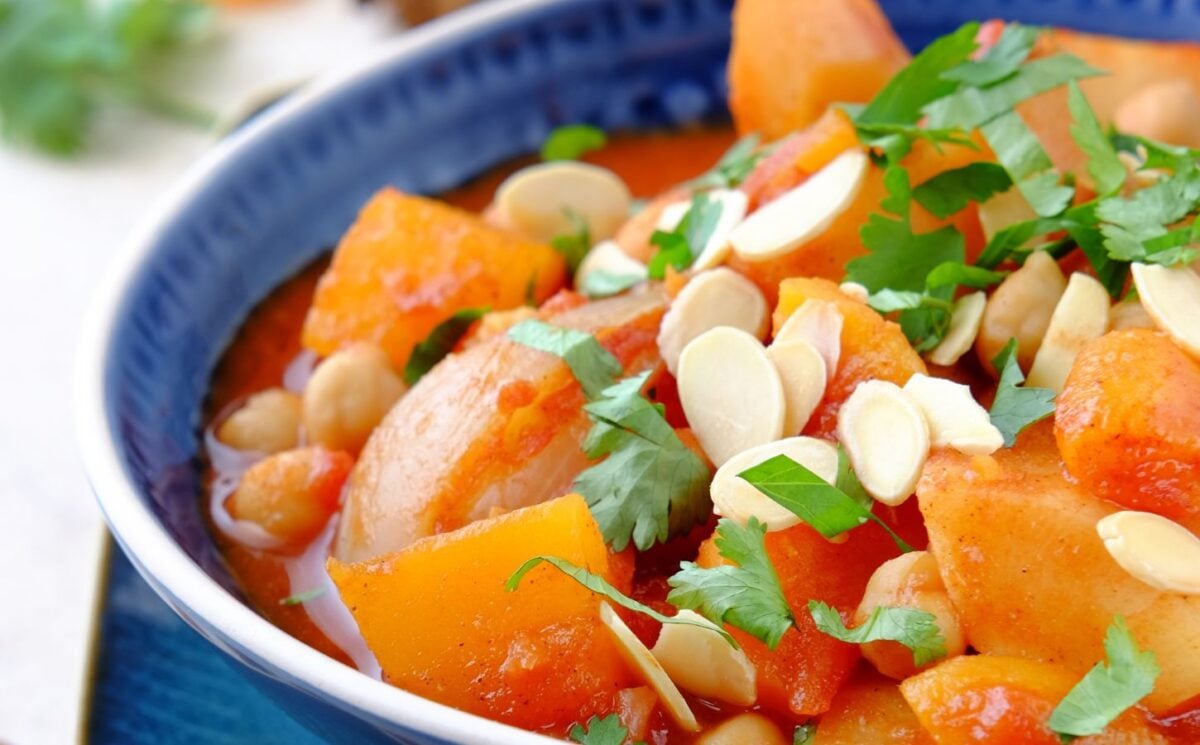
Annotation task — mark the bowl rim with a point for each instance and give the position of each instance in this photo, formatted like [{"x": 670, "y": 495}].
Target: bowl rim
[{"x": 152, "y": 550}]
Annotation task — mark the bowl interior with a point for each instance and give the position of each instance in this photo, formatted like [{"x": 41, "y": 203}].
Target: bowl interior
[{"x": 445, "y": 104}]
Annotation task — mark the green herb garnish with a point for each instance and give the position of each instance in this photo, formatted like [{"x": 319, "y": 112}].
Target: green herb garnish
[
  {"x": 600, "y": 731},
  {"x": 678, "y": 248},
  {"x": 440, "y": 342},
  {"x": 915, "y": 629},
  {"x": 1015, "y": 406},
  {"x": 301, "y": 598},
  {"x": 734, "y": 166},
  {"x": 572, "y": 142},
  {"x": 573, "y": 247}
]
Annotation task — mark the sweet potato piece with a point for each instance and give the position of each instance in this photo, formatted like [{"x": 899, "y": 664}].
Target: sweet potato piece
[
  {"x": 872, "y": 347},
  {"x": 1128, "y": 424},
  {"x": 870, "y": 709},
  {"x": 408, "y": 263},
  {"x": 790, "y": 60},
  {"x": 827, "y": 254},
  {"x": 498, "y": 425},
  {"x": 982, "y": 698},
  {"x": 442, "y": 625},
  {"x": 1017, "y": 547},
  {"x": 803, "y": 673}
]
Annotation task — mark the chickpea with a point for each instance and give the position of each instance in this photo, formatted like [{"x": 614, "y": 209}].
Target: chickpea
[
  {"x": 744, "y": 729},
  {"x": 348, "y": 396},
  {"x": 291, "y": 494},
  {"x": 1168, "y": 111},
  {"x": 1129, "y": 314},
  {"x": 1021, "y": 308},
  {"x": 267, "y": 422},
  {"x": 909, "y": 581}
]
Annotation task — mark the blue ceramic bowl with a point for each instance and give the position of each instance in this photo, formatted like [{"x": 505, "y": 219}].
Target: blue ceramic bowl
[{"x": 440, "y": 105}]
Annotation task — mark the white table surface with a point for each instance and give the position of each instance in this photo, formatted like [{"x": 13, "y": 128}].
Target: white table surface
[{"x": 60, "y": 223}]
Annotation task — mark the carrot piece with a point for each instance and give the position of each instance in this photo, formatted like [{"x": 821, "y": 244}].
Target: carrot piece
[
  {"x": 408, "y": 263},
  {"x": 440, "y": 622}
]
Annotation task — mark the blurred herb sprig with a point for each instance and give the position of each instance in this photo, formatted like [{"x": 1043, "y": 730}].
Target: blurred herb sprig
[{"x": 60, "y": 60}]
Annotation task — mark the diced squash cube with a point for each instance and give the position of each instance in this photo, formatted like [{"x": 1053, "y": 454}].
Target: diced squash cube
[
  {"x": 870, "y": 709},
  {"x": 440, "y": 622},
  {"x": 872, "y": 347},
  {"x": 408, "y": 263}
]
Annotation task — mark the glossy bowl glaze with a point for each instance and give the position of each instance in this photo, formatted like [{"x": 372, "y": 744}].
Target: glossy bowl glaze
[{"x": 439, "y": 105}]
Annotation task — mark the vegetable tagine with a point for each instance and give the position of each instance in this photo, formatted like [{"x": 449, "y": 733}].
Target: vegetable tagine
[{"x": 875, "y": 421}]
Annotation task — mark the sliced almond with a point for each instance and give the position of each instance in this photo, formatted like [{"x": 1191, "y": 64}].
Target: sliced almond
[
  {"x": 802, "y": 372},
  {"x": 734, "y": 204},
  {"x": 1004, "y": 209},
  {"x": 733, "y": 497},
  {"x": 818, "y": 322},
  {"x": 607, "y": 257},
  {"x": 719, "y": 297},
  {"x": 855, "y": 291},
  {"x": 887, "y": 440},
  {"x": 1171, "y": 295},
  {"x": 640, "y": 659},
  {"x": 700, "y": 661},
  {"x": 1130, "y": 314},
  {"x": 1159, "y": 552},
  {"x": 803, "y": 213},
  {"x": 544, "y": 200},
  {"x": 731, "y": 392},
  {"x": 1080, "y": 316},
  {"x": 1020, "y": 308},
  {"x": 965, "y": 321},
  {"x": 955, "y": 418}
]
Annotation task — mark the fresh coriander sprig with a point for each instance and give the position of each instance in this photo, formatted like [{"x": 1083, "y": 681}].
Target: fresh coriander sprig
[
  {"x": 440, "y": 342},
  {"x": 1107, "y": 690},
  {"x": 1015, "y": 406},
  {"x": 649, "y": 485},
  {"x": 734, "y": 166},
  {"x": 678, "y": 248},
  {"x": 572, "y": 142},
  {"x": 914, "y": 628},
  {"x": 600, "y": 731},
  {"x": 300, "y": 598},
  {"x": 573, "y": 247},
  {"x": 600, "y": 586},
  {"x": 746, "y": 594}
]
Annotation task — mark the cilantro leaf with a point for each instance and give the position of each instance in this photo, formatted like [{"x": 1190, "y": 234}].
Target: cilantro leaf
[
  {"x": 804, "y": 734},
  {"x": 600, "y": 731},
  {"x": 1129, "y": 222},
  {"x": 734, "y": 166},
  {"x": 600, "y": 586},
  {"x": 573, "y": 246},
  {"x": 1027, "y": 163},
  {"x": 830, "y": 509},
  {"x": 599, "y": 283},
  {"x": 572, "y": 141},
  {"x": 1009, "y": 241},
  {"x": 1016, "y": 407},
  {"x": 651, "y": 485},
  {"x": 970, "y": 107},
  {"x": 895, "y": 140},
  {"x": 300, "y": 598},
  {"x": 680, "y": 247},
  {"x": 951, "y": 191},
  {"x": 439, "y": 343},
  {"x": 1106, "y": 690},
  {"x": 915, "y": 629},
  {"x": 921, "y": 81},
  {"x": 61, "y": 61},
  {"x": 957, "y": 273},
  {"x": 746, "y": 594},
  {"x": 1000, "y": 61},
  {"x": 1106, "y": 171},
  {"x": 591, "y": 364}
]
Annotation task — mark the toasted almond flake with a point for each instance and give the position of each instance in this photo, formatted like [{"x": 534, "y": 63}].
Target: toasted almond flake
[
  {"x": 1159, "y": 552},
  {"x": 1080, "y": 316},
  {"x": 734, "y": 204},
  {"x": 819, "y": 323},
  {"x": 955, "y": 418},
  {"x": 1004, "y": 209},
  {"x": 1020, "y": 308},
  {"x": 719, "y": 297},
  {"x": 701, "y": 662},
  {"x": 802, "y": 371},
  {"x": 640, "y": 659},
  {"x": 608, "y": 257},
  {"x": 803, "y": 213},
  {"x": 1130, "y": 314},
  {"x": 733, "y": 497},
  {"x": 540, "y": 200},
  {"x": 855, "y": 291},
  {"x": 1171, "y": 295},
  {"x": 887, "y": 440},
  {"x": 965, "y": 321},
  {"x": 730, "y": 392}
]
